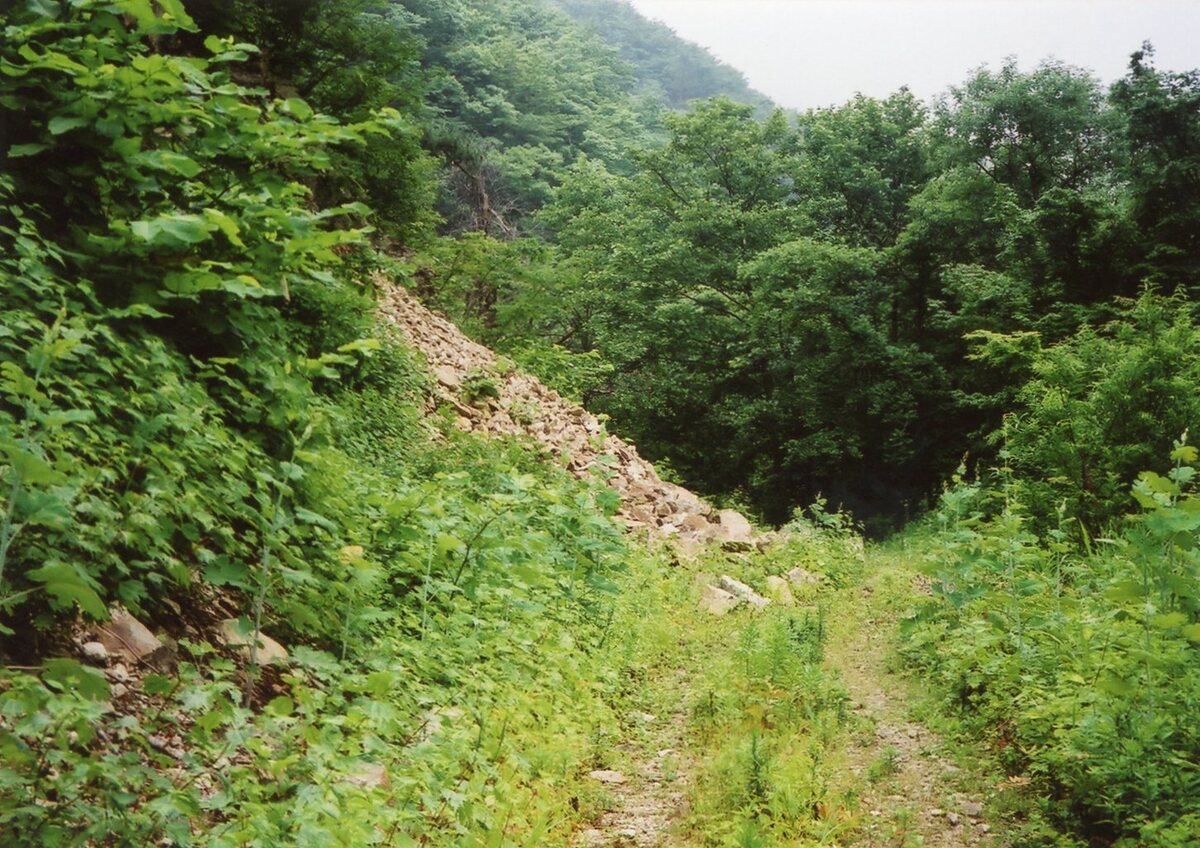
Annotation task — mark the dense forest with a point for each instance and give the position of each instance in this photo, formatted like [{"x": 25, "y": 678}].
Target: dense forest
[{"x": 968, "y": 325}]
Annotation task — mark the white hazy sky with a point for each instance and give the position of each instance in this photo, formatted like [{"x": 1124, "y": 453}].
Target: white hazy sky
[{"x": 806, "y": 53}]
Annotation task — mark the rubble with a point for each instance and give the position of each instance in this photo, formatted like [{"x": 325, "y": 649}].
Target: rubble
[{"x": 523, "y": 406}]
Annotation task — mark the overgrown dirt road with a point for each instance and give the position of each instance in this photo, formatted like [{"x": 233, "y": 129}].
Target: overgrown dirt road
[{"x": 787, "y": 727}]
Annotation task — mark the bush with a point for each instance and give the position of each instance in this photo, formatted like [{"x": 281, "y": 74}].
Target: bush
[{"x": 1081, "y": 668}]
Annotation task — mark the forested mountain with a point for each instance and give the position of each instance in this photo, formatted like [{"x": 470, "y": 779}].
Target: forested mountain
[
  {"x": 680, "y": 70},
  {"x": 818, "y": 307},
  {"x": 977, "y": 312}
]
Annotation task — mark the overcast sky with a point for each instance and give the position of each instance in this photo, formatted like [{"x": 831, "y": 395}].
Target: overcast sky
[{"x": 805, "y": 53}]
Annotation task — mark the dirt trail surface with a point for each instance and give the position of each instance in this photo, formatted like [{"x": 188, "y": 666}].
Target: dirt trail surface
[
  {"x": 521, "y": 405},
  {"x": 648, "y": 797},
  {"x": 908, "y": 793},
  {"x": 915, "y": 791}
]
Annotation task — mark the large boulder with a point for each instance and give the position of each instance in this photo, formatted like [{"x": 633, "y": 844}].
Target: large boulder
[
  {"x": 125, "y": 637},
  {"x": 693, "y": 523},
  {"x": 802, "y": 577},
  {"x": 741, "y": 590},
  {"x": 717, "y": 601},
  {"x": 778, "y": 590},
  {"x": 731, "y": 530}
]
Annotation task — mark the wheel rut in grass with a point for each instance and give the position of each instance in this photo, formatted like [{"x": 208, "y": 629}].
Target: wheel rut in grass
[
  {"x": 911, "y": 793},
  {"x": 649, "y": 793}
]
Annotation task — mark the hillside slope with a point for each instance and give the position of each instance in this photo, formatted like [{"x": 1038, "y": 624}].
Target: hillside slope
[
  {"x": 508, "y": 402},
  {"x": 663, "y": 61}
]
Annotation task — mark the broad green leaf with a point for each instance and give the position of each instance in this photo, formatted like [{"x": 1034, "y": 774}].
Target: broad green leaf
[
  {"x": 44, "y": 8},
  {"x": 42, "y": 508},
  {"x": 31, "y": 469},
  {"x": 367, "y": 345},
  {"x": 67, "y": 586},
  {"x": 229, "y": 227},
  {"x": 173, "y": 231},
  {"x": 61, "y": 124},
  {"x": 19, "y": 150},
  {"x": 1125, "y": 590},
  {"x": 61, "y": 417},
  {"x": 157, "y": 684},
  {"x": 70, "y": 676},
  {"x": 171, "y": 162},
  {"x": 298, "y": 108},
  {"x": 280, "y": 707},
  {"x": 1187, "y": 454},
  {"x": 1170, "y": 620},
  {"x": 307, "y": 516}
]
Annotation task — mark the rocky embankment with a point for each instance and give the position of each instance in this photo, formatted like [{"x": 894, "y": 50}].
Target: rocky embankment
[{"x": 493, "y": 399}]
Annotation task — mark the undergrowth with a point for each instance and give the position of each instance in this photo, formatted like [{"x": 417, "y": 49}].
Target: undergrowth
[{"x": 1077, "y": 661}]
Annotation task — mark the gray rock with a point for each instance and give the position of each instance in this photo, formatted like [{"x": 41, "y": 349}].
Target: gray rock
[
  {"x": 741, "y": 590},
  {"x": 608, "y": 776},
  {"x": 717, "y": 601},
  {"x": 230, "y": 635},
  {"x": 779, "y": 591},
  {"x": 800, "y": 577},
  {"x": 125, "y": 637},
  {"x": 95, "y": 652},
  {"x": 369, "y": 776},
  {"x": 732, "y": 526}
]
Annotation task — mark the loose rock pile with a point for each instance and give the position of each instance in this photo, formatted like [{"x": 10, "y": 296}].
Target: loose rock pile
[{"x": 491, "y": 399}]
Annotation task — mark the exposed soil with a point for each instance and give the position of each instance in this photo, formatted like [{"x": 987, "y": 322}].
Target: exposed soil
[
  {"x": 908, "y": 788},
  {"x": 649, "y": 797}
]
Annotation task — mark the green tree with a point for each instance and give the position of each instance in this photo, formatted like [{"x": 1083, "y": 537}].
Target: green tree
[
  {"x": 1029, "y": 131},
  {"x": 1160, "y": 121}
]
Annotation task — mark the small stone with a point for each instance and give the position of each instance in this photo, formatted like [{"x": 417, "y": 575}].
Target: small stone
[
  {"x": 436, "y": 718},
  {"x": 608, "y": 776},
  {"x": 119, "y": 690},
  {"x": 953, "y": 818},
  {"x": 95, "y": 652},
  {"x": 118, "y": 673},
  {"x": 936, "y": 812},
  {"x": 972, "y": 808}
]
